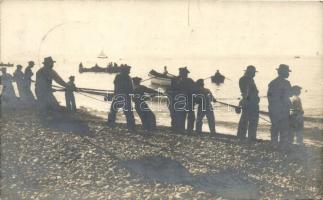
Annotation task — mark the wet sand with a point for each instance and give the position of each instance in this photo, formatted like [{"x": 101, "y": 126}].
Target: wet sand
[{"x": 78, "y": 157}]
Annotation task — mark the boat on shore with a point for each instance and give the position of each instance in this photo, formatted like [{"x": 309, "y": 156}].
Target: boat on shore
[{"x": 160, "y": 78}]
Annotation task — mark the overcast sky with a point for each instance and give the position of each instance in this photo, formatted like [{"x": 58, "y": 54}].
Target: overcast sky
[{"x": 159, "y": 29}]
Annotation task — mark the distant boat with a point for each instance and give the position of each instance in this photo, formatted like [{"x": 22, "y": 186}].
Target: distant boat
[
  {"x": 218, "y": 78},
  {"x": 102, "y": 55},
  {"x": 297, "y": 57},
  {"x": 160, "y": 78},
  {"x": 6, "y": 65},
  {"x": 111, "y": 68}
]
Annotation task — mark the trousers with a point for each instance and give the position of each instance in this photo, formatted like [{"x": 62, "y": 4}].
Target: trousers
[
  {"x": 70, "y": 102},
  {"x": 147, "y": 117},
  {"x": 210, "y": 119},
  {"x": 280, "y": 131},
  {"x": 125, "y": 105},
  {"x": 249, "y": 122}
]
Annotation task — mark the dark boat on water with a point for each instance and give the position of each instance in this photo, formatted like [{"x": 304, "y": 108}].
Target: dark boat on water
[
  {"x": 218, "y": 78},
  {"x": 6, "y": 65},
  {"x": 111, "y": 68}
]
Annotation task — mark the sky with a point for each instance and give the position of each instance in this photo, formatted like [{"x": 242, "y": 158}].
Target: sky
[{"x": 193, "y": 28}]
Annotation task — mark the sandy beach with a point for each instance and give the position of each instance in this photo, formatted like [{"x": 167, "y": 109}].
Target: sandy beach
[{"x": 77, "y": 157}]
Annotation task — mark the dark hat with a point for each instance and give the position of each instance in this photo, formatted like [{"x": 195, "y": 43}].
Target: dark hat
[
  {"x": 183, "y": 70},
  {"x": 251, "y": 68},
  {"x": 31, "y": 62},
  {"x": 283, "y": 67},
  {"x": 296, "y": 87},
  {"x": 71, "y": 77},
  {"x": 200, "y": 82},
  {"x": 49, "y": 60},
  {"x": 19, "y": 66},
  {"x": 136, "y": 79}
]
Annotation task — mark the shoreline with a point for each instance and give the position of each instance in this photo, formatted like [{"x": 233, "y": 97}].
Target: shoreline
[
  {"x": 313, "y": 130},
  {"x": 77, "y": 156}
]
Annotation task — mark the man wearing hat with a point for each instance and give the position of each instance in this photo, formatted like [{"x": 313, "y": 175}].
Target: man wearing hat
[
  {"x": 43, "y": 88},
  {"x": 27, "y": 79},
  {"x": 142, "y": 93},
  {"x": 69, "y": 95},
  {"x": 185, "y": 105},
  {"x": 279, "y": 93},
  {"x": 249, "y": 104},
  {"x": 123, "y": 88},
  {"x": 18, "y": 77},
  {"x": 8, "y": 92}
]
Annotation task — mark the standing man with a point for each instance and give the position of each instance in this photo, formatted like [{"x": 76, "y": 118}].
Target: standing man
[
  {"x": 18, "y": 77},
  {"x": 172, "y": 92},
  {"x": 279, "y": 92},
  {"x": 69, "y": 95},
  {"x": 185, "y": 109},
  {"x": 8, "y": 92},
  {"x": 204, "y": 99},
  {"x": 250, "y": 105},
  {"x": 141, "y": 94},
  {"x": 123, "y": 88},
  {"x": 28, "y": 74},
  {"x": 43, "y": 89}
]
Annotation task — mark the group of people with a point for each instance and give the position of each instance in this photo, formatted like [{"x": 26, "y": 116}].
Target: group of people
[
  {"x": 184, "y": 95},
  {"x": 46, "y": 100},
  {"x": 284, "y": 106},
  {"x": 23, "y": 82}
]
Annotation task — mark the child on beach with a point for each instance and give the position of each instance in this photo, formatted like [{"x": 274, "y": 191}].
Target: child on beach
[
  {"x": 69, "y": 95},
  {"x": 297, "y": 115}
]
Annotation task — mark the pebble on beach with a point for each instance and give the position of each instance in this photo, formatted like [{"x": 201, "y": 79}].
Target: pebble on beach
[{"x": 91, "y": 161}]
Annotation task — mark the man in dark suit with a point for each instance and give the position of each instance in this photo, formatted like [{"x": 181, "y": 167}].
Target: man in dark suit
[
  {"x": 279, "y": 93},
  {"x": 123, "y": 88},
  {"x": 250, "y": 105}
]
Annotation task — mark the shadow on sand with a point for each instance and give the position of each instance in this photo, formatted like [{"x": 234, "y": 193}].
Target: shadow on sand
[
  {"x": 227, "y": 183},
  {"x": 66, "y": 123}
]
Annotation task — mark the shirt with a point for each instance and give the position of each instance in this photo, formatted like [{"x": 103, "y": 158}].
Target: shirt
[
  {"x": 70, "y": 87},
  {"x": 28, "y": 73},
  {"x": 248, "y": 88},
  {"x": 296, "y": 107},
  {"x": 44, "y": 78},
  {"x": 140, "y": 91},
  {"x": 278, "y": 95},
  {"x": 18, "y": 76},
  {"x": 204, "y": 97},
  {"x": 123, "y": 84}
]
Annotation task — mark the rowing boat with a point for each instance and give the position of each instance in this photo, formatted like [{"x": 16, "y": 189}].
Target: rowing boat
[
  {"x": 217, "y": 78},
  {"x": 160, "y": 79}
]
